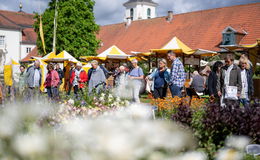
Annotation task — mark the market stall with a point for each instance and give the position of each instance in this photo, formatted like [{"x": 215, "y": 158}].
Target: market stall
[{"x": 112, "y": 57}]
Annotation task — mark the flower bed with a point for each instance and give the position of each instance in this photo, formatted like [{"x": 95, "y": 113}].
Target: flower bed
[
  {"x": 168, "y": 106},
  {"x": 212, "y": 124}
]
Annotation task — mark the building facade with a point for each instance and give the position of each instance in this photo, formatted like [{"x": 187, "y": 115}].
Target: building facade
[{"x": 17, "y": 37}]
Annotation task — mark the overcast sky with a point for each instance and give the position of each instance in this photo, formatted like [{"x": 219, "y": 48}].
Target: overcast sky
[{"x": 112, "y": 11}]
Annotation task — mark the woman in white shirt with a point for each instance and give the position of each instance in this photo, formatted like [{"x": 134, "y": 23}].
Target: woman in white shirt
[{"x": 247, "y": 82}]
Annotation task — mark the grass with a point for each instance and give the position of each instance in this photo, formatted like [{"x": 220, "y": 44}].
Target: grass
[{"x": 144, "y": 98}]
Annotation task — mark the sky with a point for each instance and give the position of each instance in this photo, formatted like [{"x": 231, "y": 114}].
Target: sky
[{"x": 112, "y": 11}]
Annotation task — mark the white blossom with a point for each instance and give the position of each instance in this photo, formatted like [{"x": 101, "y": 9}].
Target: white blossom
[
  {"x": 229, "y": 154},
  {"x": 28, "y": 145},
  {"x": 237, "y": 142}
]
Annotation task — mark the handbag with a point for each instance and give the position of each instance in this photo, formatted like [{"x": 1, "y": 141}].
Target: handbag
[{"x": 231, "y": 93}]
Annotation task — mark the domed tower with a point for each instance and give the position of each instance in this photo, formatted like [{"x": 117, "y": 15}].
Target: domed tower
[{"x": 140, "y": 9}]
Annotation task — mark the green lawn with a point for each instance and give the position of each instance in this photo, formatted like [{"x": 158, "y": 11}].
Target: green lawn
[{"x": 144, "y": 98}]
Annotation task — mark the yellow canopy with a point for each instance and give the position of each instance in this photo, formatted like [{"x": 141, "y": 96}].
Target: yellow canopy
[
  {"x": 48, "y": 56},
  {"x": 86, "y": 67},
  {"x": 137, "y": 58},
  {"x": 257, "y": 43},
  {"x": 138, "y": 54},
  {"x": 174, "y": 45},
  {"x": 89, "y": 58},
  {"x": 203, "y": 52},
  {"x": 14, "y": 62},
  {"x": 111, "y": 53},
  {"x": 62, "y": 57}
]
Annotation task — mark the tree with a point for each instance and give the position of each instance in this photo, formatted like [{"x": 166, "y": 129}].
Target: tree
[{"x": 76, "y": 27}]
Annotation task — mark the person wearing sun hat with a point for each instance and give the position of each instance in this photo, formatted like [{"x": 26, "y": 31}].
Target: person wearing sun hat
[{"x": 78, "y": 78}]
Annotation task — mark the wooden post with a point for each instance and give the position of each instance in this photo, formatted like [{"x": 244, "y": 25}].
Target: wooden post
[
  {"x": 183, "y": 58},
  {"x": 199, "y": 61},
  {"x": 156, "y": 60},
  {"x": 189, "y": 71},
  {"x": 149, "y": 61}
]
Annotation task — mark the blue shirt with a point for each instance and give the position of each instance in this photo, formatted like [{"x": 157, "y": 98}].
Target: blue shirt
[
  {"x": 159, "y": 80},
  {"x": 136, "y": 72}
]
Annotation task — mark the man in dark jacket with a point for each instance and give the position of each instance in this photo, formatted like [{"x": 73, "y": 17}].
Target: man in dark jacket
[
  {"x": 60, "y": 72},
  {"x": 229, "y": 84},
  {"x": 61, "y": 75}
]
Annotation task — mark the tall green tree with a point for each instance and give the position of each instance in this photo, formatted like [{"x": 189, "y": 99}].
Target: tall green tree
[{"x": 76, "y": 27}]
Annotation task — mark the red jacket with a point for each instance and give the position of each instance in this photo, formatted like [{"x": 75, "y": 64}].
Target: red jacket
[
  {"x": 83, "y": 77},
  {"x": 52, "y": 79}
]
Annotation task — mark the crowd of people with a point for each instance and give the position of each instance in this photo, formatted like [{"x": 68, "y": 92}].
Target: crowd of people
[{"x": 226, "y": 83}]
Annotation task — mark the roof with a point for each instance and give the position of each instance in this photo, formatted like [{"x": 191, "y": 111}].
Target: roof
[
  {"x": 29, "y": 36},
  {"x": 15, "y": 20},
  {"x": 19, "y": 21},
  {"x": 200, "y": 29},
  {"x": 33, "y": 53}
]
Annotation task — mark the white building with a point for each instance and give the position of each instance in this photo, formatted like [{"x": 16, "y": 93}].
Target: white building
[
  {"x": 17, "y": 36},
  {"x": 140, "y": 9}
]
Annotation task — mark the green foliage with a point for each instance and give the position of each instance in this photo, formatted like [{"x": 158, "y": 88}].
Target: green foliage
[
  {"x": 257, "y": 71},
  {"x": 213, "y": 58},
  {"x": 145, "y": 66},
  {"x": 213, "y": 124},
  {"x": 200, "y": 133},
  {"x": 250, "y": 157},
  {"x": 189, "y": 69},
  {"x": 76, "y": 27}
]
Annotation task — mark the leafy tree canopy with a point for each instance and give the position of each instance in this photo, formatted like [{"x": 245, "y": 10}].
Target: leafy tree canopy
[{"x": 76, "y": 28}]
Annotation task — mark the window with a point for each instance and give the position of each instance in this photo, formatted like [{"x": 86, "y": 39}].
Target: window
[
  {"x": 132, "y": 14},
  {"x": 148, "y": 13},
  {"x": 2, "y": 41},
  {"x": 28, "y": 49}
]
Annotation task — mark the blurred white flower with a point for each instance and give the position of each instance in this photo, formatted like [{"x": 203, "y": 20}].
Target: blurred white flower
[
  {"x": 101, "y": 98},
  {"x": 118, "y": 99},
  {"x": 28, "y": 145},
  {"x": 110, "y": 99},
  {"x": 71, "y": 101},
  {"x": 80, "y": 155},
  {"x": 126, "y": 103},
  {"x": 229, "y": 154},
  {"x": 237, "y": 142},
  {"x": 110, "y": 96},
  {"x": 139, "y": 111},
  {"x": 157, "y": 156},
  {"x": 110, "y": 133},
  {"x": 193, "y": 156},
  {"x": 7, "y": 127}
]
